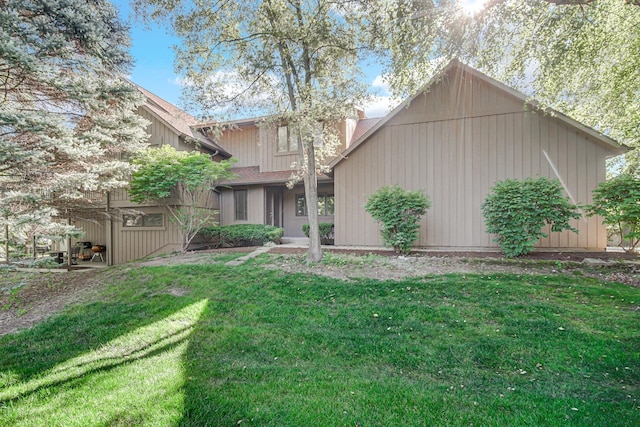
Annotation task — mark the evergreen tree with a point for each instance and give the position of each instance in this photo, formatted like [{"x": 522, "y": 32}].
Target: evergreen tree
[{"x": 67, "y": 117}]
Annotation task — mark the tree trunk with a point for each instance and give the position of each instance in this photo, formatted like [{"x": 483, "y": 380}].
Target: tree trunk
[
  {"x": 69, "y": 260},
  {"x": 6, "y": 243},
  {"x": 311, "y": 194}
]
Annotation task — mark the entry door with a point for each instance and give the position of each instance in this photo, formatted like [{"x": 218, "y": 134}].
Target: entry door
[{"x": 274, "y": 207}]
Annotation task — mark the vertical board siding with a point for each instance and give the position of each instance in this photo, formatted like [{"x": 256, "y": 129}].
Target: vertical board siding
[
  {"x": 270, "y": 159},
  {"x": 243, "y": 143},
  {"x": 457, "y": 161},
  {"x": 159, "y": 133},
  {"x": 94, "y": 231},
  {"x": 255, "y": 206},
  {"x": 135, "y": 243}
]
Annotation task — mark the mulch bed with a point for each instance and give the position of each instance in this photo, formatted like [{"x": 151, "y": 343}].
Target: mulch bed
[{"x": 535, "y": 256}]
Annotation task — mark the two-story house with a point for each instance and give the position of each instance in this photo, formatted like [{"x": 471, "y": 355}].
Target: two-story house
[{"x": 454, "y": 139}]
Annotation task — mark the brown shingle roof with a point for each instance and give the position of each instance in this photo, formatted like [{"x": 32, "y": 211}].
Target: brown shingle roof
[
  {"x": 363, "y": 126},
  {"x": 180, "y": 121}
]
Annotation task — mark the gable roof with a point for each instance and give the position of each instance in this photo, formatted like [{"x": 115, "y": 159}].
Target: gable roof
[
  {"x": 181, "y": 122},
  {"x": 454, "y": 64}
]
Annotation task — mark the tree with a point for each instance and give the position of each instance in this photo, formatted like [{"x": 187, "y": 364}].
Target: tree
[
  {"x": 579, "y": 57},
  {"x": 398, "y": 211},
  {"x": 296, "y": 60},
  {"x": 517, "y": 210},
  {"x": 618, "y": 202},
  {"x": 182, "y": 183},
  {"x": 67, "y": 117}
]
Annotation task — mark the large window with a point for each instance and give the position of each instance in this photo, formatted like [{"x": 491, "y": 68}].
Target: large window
[
  {"x": 285, "y": 141},
  {"x": 142, "y": 220},
  {"x": 240, "y": 204},
  {"x": 325, "y": 204}
]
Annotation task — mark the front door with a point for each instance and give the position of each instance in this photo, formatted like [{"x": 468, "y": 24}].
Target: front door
[{"x": 274, "y": 207}]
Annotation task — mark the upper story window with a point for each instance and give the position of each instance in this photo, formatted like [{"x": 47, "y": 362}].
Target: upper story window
[{"x": 285, "y": 141}]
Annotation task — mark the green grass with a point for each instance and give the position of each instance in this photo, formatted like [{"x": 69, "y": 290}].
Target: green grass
[{"x": 250, "y": 346}]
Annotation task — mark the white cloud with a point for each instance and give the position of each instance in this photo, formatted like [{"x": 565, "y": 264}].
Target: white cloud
[
  {"x": 380, "y": 106},
  {"x": 380, "y": 82}
]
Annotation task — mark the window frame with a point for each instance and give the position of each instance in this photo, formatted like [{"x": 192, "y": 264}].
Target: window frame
[
  {"x": 322, "y": 195},
  {"x": 244, "y": 207},
  {"x": 144, "y": 219},
  {"x": 290, "y": 147}
]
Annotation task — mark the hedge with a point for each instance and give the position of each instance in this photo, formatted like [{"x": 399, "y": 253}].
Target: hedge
[
  {"x": 326, "y": 232},
  {"x": 242, "y": 234}
]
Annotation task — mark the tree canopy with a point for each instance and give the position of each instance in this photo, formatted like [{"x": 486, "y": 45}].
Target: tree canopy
[
  {"x": 296, "y": 60},
  {"x": 182, "y": 183},
  {"x": 67, "y": 117},
  {"x": 581, "y": 58}
]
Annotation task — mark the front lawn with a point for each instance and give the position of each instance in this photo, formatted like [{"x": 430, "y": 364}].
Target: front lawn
[{"x": 216, "y": 345}]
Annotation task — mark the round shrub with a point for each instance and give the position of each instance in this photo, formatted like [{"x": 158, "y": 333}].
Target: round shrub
[
  {"x": 518, "y": 210},
  {"x": 398, "y": 211}
]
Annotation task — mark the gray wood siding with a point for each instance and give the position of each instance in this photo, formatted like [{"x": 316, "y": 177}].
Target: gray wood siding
[
  {"x": 160, "y": 133},
  {"x": 135, "y": 243},
  {"x": 243, "y": 144},
  {"x": 270, "y": 159},
  {"x": 457, "y": 160},
  {"x": 255, "y": 207}
]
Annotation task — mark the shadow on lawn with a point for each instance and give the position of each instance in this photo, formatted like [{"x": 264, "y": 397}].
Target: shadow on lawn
[{"x": 87, "y": 338}]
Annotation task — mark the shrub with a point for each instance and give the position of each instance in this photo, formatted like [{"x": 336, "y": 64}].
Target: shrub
[
  {"x": 517, "y": 210},
  {"x": 398, "y": 211},
  {"x": 242, "y": 234},
  {"x": 618, "y": 202},
  {"x": 326, "y": 232}
]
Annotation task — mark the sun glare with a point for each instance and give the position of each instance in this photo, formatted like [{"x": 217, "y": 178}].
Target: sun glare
[{"x": 471, "y": 7}]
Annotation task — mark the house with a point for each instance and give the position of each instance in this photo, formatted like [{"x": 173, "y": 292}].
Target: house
[
  {"x": 130, "y": 230},
  {"x": 265, "y": 155},
  {"x": 454, "y": 139}
]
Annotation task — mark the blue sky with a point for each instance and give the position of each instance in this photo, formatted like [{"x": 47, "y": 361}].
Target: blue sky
[{"x": 153, "y": 70}]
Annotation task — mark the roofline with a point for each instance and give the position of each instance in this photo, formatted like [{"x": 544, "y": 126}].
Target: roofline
[
  {"x": 246, "y": 121},
  {"x": 209, "y": 145},
  {"x": 455, "y": 63},
  {"x": 322, "y": 178}
]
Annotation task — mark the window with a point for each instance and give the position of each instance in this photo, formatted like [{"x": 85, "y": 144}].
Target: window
[
  {"x": 240, "y": 204},
  {"x": 325, "y": 204},
  {"x": 143, "y": 220},
  {"x": 285, "y": 141}
]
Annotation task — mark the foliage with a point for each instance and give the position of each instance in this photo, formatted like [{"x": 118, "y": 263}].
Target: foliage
[
  {"x": 618, "y": 202},
  {"x": 518, "y": 210},
  {"x": 181, "y": 182},
  {"x": 296, "y": 62},
  {"x": 242, "y": 234},
  {"x": 398, "y": 211},
  {"x": 187, "y": 344},
  {"x": 66, "y": 114},
  {"x": 591, "y": 72},
  {"x": 326, "y": 230}
]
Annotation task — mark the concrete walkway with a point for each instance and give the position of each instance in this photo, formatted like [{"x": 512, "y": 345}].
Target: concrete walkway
[{"x": 250, "y": 255}]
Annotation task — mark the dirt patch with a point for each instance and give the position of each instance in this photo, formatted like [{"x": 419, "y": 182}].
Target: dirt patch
[
  {"x": 26, "y": 299},
  {"x": 387, "y": 265},
  {"x": 38, "y": 295}
]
